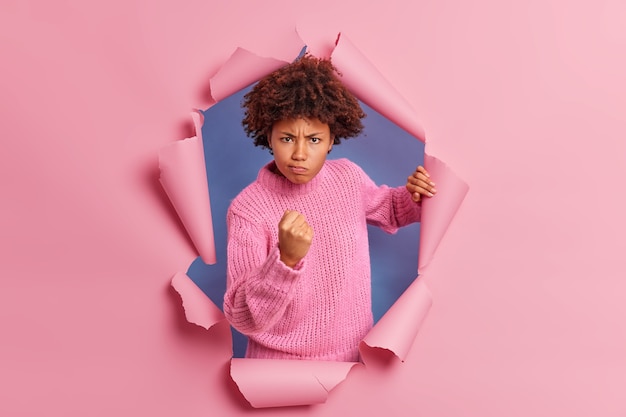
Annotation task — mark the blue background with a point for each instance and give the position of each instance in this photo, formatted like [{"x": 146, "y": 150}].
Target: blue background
[{"x": 387, "y": 153}]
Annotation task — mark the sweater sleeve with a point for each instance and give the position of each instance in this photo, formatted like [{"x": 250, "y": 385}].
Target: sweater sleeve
[
  {"x": 386, "y": 207},
  {"x": 259, "y": 286}
]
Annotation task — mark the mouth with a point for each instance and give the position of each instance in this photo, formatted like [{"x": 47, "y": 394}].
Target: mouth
[{"x": 297, "y": 169}]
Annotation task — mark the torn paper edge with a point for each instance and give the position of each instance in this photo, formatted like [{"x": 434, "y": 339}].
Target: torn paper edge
[
  {"x": 197, "y": 310},
  {"x": 398, "y": 327},
  {"x": 359, "y": 75},
  {"x": 183, "y": 177},
  {"x": 438, "y": 212},
  {"x": 292, "y": 382}
]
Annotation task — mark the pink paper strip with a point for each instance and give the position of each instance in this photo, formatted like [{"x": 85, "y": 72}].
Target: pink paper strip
[
  {"x": 198, "y": 307},
  {"x": 183, "y": 176},
  {"x": 368, "y": 84},
  {"x": 396, "y": 330},
  {"x": 280, "y": 383},
  {"x": 438, "y": 212},
  {"x": 242, "y": 69}
]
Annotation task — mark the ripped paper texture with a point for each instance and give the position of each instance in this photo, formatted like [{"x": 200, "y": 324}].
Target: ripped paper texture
[
  {"x": 180, "y": 164},
  {"x": 275, "y": 383}
]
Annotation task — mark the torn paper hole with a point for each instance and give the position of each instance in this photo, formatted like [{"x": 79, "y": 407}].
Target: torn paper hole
[{"x": 410, "y": 309}]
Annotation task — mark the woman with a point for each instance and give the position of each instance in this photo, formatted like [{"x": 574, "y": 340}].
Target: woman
[{"x": 298, "y": 280}]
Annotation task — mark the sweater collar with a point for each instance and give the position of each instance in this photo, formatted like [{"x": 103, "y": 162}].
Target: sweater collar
[{"x": 278, "y": 183}]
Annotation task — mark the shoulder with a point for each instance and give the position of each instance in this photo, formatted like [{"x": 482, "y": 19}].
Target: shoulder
[
  {"x": 252, "y": 193},
  {"x": 246, "y": 203},
  {"x": 341, "y": 163},
  {"x": 343, "y": 166}
]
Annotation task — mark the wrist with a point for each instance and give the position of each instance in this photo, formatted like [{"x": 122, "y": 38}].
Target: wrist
[{"x": 290, "y": 262}]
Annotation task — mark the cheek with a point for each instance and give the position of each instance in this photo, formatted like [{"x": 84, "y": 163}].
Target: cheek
[{"x": 280, "y": 154}]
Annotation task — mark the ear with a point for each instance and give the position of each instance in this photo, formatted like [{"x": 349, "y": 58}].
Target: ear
[
  {"x": 269, "y": 139},
  {"x": 332, "y": 141}
]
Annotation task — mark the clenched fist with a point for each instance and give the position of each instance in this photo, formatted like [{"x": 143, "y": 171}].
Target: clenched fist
[{"x": 294, "y": 237}]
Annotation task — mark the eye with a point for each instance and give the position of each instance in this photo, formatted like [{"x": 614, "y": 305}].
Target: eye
[
  {"x": 286, "y": 139},
  {"x": 316, "y": 140}
]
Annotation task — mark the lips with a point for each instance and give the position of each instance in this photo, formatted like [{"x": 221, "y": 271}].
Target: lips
[{"x": 298, "y": 169}]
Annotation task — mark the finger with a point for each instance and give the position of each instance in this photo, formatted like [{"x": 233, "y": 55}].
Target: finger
[
  {"x": 301, "y": 233},
  {"x": 289, "y": 217},
  {"x": 427, "y": 186},
  {"x": 423, "y": 190},
  {"x": 422, "y": 170},
  {"x": 296, "y": 226},
  {"x": 300, "y": 225},
  {"x": 420, "y": 179},
  {"x": 308, "y": 233},
  {"x": 420, "y": 183},
  {"x": 422, "y": 174},
  {"x": 299, "y": 221},
  {"x": 419, "y": 176}
]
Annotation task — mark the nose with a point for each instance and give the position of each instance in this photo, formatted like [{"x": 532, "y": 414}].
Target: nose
[{"x": 299, "y": 151}]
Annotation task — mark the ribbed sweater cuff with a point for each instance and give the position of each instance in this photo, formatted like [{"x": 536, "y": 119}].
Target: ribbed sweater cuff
[
  {"x": 278, "y": 275},
  {"x": 407, "y": 211}
]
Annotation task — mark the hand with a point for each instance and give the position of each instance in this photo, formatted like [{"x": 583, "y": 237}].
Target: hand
[
  {"x": 294, "y": 237},
  {"x": 419, "y": 184}
]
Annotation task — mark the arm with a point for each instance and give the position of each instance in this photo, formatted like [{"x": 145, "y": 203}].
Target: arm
[
  {"x": 392, "y": 208},
  {"x": 259, "y": 285}
]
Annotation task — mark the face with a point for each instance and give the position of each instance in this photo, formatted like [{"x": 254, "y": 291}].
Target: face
[{"x": 300, "y": 147}]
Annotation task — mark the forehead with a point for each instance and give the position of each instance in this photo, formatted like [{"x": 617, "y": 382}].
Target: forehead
[{"x": 306, "y": 124}]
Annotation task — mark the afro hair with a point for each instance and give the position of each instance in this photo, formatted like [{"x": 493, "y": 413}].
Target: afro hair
[{"x": 307, "y": 88}]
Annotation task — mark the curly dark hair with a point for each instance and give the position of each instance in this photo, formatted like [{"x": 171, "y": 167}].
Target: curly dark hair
[{"x": 310, "y": 88}]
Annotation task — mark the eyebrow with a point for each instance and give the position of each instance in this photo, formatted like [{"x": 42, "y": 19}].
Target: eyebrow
[{"x": 306, "y": 136}]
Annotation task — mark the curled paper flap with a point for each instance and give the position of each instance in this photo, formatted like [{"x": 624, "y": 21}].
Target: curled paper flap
[
  {"x": 244, "y": 68},
  {"x": 397, "y": 329},
  {"x": 368, "y": 84},
  {"x": 279, "y": 383},
  {"x": 198, "y": 308},
  {"x": 183, "y": 176},
  {"x": 438, "y": 212}
]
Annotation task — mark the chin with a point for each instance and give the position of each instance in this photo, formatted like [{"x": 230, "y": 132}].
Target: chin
[{"x": 299, "y": 180}]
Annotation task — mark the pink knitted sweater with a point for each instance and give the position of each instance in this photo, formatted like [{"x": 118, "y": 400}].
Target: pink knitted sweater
[{"x": 320, "y": 309}]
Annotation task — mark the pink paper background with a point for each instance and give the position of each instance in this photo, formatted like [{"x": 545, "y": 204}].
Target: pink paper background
[{"x": 526, "y": 102}]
